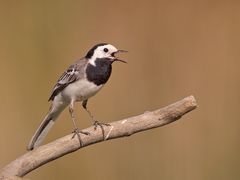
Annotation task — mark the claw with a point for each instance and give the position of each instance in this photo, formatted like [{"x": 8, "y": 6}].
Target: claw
[
  {"x": 78, "y": 132},
  {"x": 96, "y": 124}
]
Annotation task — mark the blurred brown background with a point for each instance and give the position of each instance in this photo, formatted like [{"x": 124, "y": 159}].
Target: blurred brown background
[{"x": 176, "y": 48}]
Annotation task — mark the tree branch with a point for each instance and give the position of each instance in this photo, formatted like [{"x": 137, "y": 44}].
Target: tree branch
[{"x": 125, "y": 127}]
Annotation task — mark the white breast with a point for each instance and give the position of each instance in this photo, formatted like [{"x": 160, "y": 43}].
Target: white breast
[{"x": 80, "y": 90}]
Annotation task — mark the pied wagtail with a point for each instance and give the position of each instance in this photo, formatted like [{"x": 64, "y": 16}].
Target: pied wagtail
[{"x": 79, "y": 82}]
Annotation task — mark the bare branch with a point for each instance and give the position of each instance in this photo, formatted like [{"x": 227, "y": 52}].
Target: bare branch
[{"x": 125, "y": 127}]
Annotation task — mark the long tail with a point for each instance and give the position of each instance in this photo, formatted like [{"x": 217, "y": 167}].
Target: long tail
[{"x": 45, "y": 126}]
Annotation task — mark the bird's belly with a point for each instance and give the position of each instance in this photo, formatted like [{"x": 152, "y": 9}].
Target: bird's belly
[{"x": 80, "y": 90}]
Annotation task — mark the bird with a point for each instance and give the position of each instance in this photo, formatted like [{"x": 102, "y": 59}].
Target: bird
[{"x": 82, "y": 80}]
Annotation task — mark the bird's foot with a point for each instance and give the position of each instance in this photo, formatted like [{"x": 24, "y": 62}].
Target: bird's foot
[
  {"x": 96, "y": 124},
  {"x": 78, "y": 132}
]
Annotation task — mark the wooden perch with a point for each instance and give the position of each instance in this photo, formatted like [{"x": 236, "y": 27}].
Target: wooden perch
[{"x": 125, "y": 127}]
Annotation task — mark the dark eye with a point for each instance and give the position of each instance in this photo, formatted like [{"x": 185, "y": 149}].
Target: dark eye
[{"x": 105, "y": 49}]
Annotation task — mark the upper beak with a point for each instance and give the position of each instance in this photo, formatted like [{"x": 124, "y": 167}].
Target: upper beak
[{"x": 119, "y": 51}]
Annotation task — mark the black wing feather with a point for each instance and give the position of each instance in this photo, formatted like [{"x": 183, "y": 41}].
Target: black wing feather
[{"x": 68, "y": 77}]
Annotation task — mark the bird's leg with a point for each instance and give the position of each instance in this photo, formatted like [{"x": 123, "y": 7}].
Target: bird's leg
[
  {"x": 84, "y": 105},
  {"x": 76, "y": 129},
  {"x": 95, "y": 122}
]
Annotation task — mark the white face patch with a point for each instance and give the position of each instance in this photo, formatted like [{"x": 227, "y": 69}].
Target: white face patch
[{"x": 103, "y": 52}]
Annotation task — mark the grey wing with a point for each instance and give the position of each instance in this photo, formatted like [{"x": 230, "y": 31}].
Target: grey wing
[{"x": 73, "y": 73}]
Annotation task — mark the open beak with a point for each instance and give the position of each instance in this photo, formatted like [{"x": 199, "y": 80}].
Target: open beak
[{"x": 117, "y": 59}]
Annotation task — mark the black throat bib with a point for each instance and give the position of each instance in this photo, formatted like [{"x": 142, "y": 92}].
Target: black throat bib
[{"x": 100, "y": 73}]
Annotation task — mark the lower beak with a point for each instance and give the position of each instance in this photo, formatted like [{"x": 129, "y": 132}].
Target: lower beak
[
  {"x": 117, "y": 59},
  {"x": 120, "y": 60}
]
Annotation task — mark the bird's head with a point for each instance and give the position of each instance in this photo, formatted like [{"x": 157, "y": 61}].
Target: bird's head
[{"x": 104, "y": 50}]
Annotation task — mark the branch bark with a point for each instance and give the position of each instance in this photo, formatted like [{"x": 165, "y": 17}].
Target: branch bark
[{"x": 125, "y": 127}]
